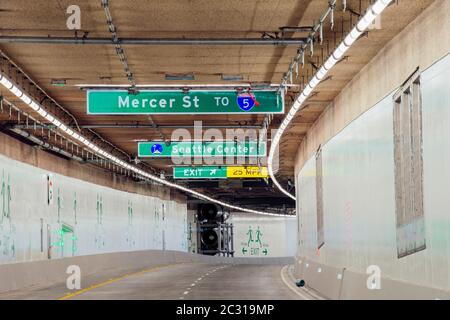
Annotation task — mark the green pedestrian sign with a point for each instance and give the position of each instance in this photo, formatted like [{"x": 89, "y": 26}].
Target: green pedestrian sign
[
  {"x": 119, "y": 102},
  {"x": 158, "y": 149},
  {"x": 254, "y": 245}
]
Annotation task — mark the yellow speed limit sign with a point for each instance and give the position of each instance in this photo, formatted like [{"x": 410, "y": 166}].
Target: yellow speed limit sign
[{"x": 247, "y": 172}]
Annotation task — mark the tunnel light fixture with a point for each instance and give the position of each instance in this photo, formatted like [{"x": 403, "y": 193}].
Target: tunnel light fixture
[
  {"x": 96, "y": 149},
  {"x": 369, "y": 17},
  {"x": 232, "y": 77},
  {"x": 59, "y": 82}
]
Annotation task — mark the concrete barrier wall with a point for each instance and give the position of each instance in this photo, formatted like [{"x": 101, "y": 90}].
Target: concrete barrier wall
[
  {"x": 343, "y": 284},
  {"x": 45, "y": 273},
  {"x": 356, "y": 135},
  {"x": 76, "y": 218}
]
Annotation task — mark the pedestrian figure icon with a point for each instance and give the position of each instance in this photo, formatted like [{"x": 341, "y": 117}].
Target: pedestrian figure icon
[
  {"x": 258, "y": 236},
  {"x": 157, "y": 148},
  {"x": 250, "y": 235}
]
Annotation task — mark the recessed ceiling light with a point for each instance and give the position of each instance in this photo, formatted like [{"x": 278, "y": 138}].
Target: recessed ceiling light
[
  {"x": 59, "y": 82},
  {"x": 232, "y": 77}
]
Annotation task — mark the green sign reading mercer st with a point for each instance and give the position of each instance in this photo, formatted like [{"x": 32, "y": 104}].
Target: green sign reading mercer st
[
  {"x": 119, "y": 102},
  {"x": 202, "y": 149}
]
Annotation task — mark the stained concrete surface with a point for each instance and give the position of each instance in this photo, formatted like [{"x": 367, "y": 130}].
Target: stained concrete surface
[{"x": 187, "y": 281}]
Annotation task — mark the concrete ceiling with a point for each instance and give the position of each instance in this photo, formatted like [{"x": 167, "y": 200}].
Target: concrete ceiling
[{"x": 99, "y": 64}]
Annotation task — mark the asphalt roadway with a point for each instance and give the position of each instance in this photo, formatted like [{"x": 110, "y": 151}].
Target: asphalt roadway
[{"x": 187, "y": 281}]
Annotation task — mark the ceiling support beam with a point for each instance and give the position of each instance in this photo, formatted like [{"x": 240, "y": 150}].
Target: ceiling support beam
[{"x": 152, "y": 41}]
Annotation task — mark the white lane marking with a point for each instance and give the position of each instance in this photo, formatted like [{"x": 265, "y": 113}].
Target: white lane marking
[
  {"x": 291, "y": 286},
  {"x": 194, "y": 283}
]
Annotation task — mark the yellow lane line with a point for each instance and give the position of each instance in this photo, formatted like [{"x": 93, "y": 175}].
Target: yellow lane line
[{"x": 95, "y": 286}]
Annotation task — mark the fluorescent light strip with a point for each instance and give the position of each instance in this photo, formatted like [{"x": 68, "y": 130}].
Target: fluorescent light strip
[
  {"x": 58, "y": 123},
  {"x": 372, "y": 13}
]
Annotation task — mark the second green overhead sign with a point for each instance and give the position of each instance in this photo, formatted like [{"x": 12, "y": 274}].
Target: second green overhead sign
[
  {"x": 117, "y": 102},
  {"x": 201, "y": 149}
]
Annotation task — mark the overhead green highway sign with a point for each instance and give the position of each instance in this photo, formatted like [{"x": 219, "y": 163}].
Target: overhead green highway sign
[
  {"x": 199, "y": 172},
  {"x": 158, "y": 149},
  {"x": 119, "y": 102},
  {"x": 231, "y": 172}
]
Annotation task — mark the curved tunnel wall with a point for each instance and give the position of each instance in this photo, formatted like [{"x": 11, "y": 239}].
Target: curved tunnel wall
[
  {"x": 81, "y": 219},
  {"x": 356, "y": 136},
  {"x": 358, "y": 178}
]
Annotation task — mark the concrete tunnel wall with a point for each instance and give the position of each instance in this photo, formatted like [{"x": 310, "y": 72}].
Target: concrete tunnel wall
[
  {"x": 358, "y": 175},
  {"x": 97, "y": 220},
  {"x": 276, "y": 238},
  {"x": 95, "y": 227},
  {"x": 82, "y": 219}
]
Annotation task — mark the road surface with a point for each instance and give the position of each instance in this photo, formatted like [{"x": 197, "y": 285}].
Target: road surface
[{"x": 178, "y": 281}]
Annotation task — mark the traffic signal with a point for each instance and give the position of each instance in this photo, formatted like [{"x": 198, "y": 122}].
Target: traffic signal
[
  {"x": 209, "y": 238},
  {"x": 209, "y": 213},
  {"x": 210, "y": 216}
]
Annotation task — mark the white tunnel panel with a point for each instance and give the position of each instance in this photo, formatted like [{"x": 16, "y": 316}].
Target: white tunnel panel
[
  {"x": 359, "y": 192},
  {"x": 80, "y": 218}
]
